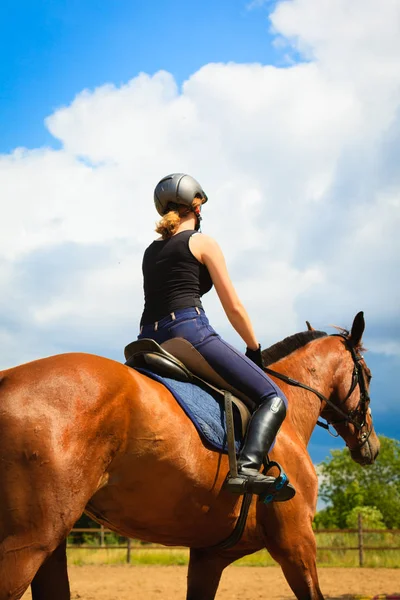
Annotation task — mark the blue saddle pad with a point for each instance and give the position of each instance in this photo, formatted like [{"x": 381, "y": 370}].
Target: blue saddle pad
[{"x": 204, "y": 409}]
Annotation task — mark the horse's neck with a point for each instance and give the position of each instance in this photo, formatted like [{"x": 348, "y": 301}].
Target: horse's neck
[{"x": 314, "y": 366}]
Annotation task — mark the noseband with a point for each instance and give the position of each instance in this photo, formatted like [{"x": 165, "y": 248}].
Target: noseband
[{"x": 358, "y": 416}]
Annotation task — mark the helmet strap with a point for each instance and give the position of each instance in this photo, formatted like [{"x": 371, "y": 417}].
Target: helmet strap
[
  {"x": 197, "y": 213},
  {"x": 184, "y": 211}
]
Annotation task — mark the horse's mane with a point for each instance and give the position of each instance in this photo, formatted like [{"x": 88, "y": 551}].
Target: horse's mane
[{"x": 288, "y": 345}]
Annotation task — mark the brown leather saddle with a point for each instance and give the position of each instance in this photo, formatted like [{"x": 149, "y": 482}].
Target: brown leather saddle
[{"x": 178, "y": 359}]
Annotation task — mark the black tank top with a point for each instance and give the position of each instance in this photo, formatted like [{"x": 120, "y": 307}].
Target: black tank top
[{"x": 172, "y": 277}]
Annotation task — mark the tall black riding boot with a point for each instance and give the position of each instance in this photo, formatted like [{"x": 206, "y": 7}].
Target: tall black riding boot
[{"x": 261, "y": 432}]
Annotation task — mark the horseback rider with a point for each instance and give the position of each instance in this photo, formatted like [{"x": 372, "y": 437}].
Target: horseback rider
[{"x": 178, "y": 268}]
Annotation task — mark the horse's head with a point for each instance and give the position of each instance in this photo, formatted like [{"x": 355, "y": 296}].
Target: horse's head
[{"x": 351, "y": 414}]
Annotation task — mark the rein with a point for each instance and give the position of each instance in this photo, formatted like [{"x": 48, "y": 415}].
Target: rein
[{"x": 356, "y": 380}]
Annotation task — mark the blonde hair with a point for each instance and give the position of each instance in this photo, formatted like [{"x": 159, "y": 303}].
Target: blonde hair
[{"x": 170, "y": 222}]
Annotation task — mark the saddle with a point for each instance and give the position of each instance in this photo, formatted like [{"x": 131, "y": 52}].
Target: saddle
[{"x": 178, "y": 359}]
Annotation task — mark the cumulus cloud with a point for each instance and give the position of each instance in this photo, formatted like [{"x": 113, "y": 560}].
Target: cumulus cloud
[{"x": 299, "y": 164}]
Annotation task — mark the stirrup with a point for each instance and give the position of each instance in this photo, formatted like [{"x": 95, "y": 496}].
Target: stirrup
[
  {"x": 281, "y": 483},
  {"x": 279, "y": 488}
]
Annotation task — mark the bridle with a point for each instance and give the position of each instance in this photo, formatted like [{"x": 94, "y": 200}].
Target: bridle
[{"x": 358, "y": 416}]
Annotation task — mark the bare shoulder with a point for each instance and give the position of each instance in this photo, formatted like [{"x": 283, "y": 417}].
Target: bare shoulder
[
  {"x": 206, "y": 250},
  {"x": 203, "y": 242}
]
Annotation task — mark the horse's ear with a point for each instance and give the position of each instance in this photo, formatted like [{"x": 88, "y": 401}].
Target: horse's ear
[
  {"x": 357, "y": 329},
  {"x": 309, "y": 327}
]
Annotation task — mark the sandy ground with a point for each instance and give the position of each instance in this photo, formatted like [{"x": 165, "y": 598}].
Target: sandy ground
[{"x": 238, "y": 583}]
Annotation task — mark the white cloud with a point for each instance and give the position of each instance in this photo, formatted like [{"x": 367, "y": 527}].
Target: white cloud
[
  {"x": 299, "y": 164},
  {"x": 388, "y": 348}
]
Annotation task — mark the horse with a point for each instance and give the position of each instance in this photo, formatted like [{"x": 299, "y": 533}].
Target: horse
[{"x": 82, "y": 433}]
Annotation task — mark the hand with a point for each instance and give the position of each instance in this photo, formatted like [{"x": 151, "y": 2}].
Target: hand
[{"x": 255, "y": 356}]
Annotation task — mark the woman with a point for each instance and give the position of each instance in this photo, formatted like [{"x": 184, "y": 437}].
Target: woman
[{"x": 178, "y": 268}]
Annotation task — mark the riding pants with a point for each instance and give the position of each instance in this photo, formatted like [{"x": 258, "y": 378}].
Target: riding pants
[{"x": 233, "y": 366}]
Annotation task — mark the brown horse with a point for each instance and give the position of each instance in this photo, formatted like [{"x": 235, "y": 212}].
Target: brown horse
[{"x": 84, "y": 433}]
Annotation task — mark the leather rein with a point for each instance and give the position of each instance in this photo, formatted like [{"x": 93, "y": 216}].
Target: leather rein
[{"x": 357, "y": 379}]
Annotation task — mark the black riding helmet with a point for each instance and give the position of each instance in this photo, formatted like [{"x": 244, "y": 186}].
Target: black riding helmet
[{"x": 176, "y": 189}]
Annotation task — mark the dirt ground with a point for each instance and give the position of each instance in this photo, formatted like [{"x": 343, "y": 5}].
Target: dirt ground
[{"x": 238, "y": 583}]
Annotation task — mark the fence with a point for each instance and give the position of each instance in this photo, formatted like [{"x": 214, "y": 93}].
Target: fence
[
  {"x": 361, "y": 546},
  {"x": 131, "y": 545}
]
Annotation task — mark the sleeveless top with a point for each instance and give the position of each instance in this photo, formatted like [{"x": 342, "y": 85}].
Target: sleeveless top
[{"x": 172, "y": 277}]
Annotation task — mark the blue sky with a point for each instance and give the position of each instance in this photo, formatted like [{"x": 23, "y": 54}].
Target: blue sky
[
  {"x": 51, "y": 50},
  {"x": 314, "y": 151}
]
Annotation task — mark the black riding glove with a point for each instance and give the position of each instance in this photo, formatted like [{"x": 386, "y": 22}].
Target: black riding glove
[{"x": 255, "y": 356}]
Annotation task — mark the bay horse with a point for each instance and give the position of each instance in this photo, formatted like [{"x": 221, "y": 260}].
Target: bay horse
[{"x": 84, "y": 433}]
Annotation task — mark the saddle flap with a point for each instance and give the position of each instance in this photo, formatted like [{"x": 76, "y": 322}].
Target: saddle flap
[{"x": 197, "y": 364}]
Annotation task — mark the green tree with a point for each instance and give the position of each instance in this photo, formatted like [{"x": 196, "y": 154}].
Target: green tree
[
  {"x": 372, "y": 518},
  {"x": 346, "y": 485}
]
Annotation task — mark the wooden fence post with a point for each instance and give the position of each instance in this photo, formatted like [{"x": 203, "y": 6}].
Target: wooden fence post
[
  {"x": 360, "y": 541},
  {"x": 128, "y": 551},
  {"x": 102, "y": 536}
]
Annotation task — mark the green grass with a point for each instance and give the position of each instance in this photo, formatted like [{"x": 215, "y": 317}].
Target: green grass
[
  {"x": 325, "y": 558},
  {"x": 114, "y": 556},
  {"x": 165, "y": 557},
  {"x": 349, "y": 558}
]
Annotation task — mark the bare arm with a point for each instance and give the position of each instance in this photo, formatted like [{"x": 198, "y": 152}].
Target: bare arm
[{"x": 208, "y": 252}]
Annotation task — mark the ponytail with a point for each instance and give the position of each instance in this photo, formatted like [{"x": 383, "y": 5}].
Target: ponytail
[
  {"x": 170, "y": 222},
  {"x": 168, "y": 225}
]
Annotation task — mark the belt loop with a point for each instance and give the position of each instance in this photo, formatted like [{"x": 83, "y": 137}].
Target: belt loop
[
  {"x": 173, "y": 317},
  {"x": 156, "y": 326},
  {"x": 197, "y": 310}
]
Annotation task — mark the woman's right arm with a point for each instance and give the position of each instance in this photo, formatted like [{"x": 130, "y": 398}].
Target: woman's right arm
[{"x": 207, "y": 251}]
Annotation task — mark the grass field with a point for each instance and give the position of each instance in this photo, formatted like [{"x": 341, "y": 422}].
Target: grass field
[{"x": 339, "y": 557}]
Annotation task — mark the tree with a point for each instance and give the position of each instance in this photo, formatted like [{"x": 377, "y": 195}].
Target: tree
[
  {"x": 346, "y": 485},
  {"x": 372, "y": 518}
]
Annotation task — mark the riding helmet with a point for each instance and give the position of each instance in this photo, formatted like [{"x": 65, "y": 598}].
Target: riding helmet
[{"x": 177, "y": 188}]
